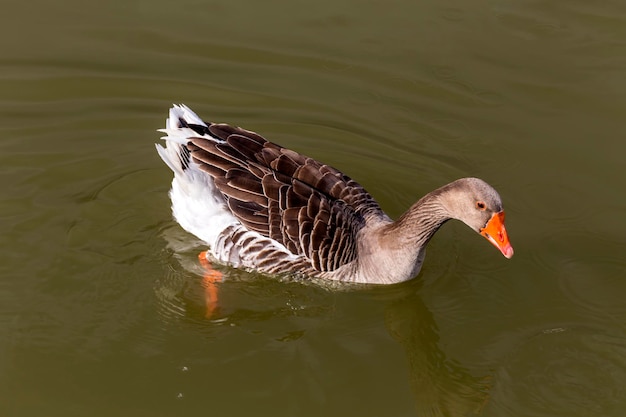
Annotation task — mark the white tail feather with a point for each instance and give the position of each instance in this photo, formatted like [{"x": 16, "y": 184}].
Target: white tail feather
[
  {"x": 171, "y": 156},
  {"x": 180, "y": 111}
]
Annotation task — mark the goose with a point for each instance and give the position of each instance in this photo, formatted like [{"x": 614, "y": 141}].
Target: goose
[{"x": 261, "y": 207}]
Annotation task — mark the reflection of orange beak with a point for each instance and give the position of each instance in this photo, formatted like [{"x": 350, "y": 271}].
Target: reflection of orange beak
[{"x": 495, "y": 232}]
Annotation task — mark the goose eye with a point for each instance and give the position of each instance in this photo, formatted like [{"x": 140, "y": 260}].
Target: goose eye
[{"x": 480, "y": 205}]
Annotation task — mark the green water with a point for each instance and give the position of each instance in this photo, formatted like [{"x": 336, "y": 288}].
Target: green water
[{"x": 101, "y": 304}]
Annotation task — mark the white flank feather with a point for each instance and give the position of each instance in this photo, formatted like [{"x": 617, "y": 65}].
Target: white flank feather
[{"x": 196, "y": 204}]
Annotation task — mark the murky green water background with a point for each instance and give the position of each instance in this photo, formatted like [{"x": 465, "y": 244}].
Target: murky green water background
[{"x": 101, "y": 307}]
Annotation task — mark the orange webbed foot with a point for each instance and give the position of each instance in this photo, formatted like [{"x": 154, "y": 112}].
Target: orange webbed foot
[{"x": 210, "y": 282}]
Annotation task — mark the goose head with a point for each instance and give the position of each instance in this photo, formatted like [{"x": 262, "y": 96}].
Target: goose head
[{"x": 478, "y": 205}]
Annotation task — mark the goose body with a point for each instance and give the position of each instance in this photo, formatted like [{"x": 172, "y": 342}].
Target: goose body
[{"x": 259, "y": 206}]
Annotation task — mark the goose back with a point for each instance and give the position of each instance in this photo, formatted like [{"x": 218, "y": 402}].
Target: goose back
[{"x": 312, "y": 209}]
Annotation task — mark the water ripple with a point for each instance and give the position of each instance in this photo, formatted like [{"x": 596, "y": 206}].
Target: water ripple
[{"x": 564, "y": 367}]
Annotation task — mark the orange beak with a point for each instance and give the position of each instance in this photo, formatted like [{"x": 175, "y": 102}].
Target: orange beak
[{"x": 495, "y": 232}]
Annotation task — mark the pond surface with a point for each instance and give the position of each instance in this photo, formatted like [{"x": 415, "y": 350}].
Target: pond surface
[{"x": 101, "y": 305}]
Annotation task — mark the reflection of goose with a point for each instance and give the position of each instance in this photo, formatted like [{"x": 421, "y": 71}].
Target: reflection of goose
[
  {"x": 441, "y": 387},
  {"x": 262, "y": 207}
]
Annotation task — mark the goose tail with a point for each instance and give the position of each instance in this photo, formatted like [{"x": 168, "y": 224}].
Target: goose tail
[{"x": 181, "y": 124}]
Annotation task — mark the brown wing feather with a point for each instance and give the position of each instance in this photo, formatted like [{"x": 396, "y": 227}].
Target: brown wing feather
[{"x": 311, "y": 208}]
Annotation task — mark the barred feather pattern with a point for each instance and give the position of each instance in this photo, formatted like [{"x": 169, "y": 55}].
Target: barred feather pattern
[{"x": 311, "y": 209}]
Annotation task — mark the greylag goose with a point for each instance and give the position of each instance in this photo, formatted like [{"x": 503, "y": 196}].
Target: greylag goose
[{"x": 259, "y": 206}]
